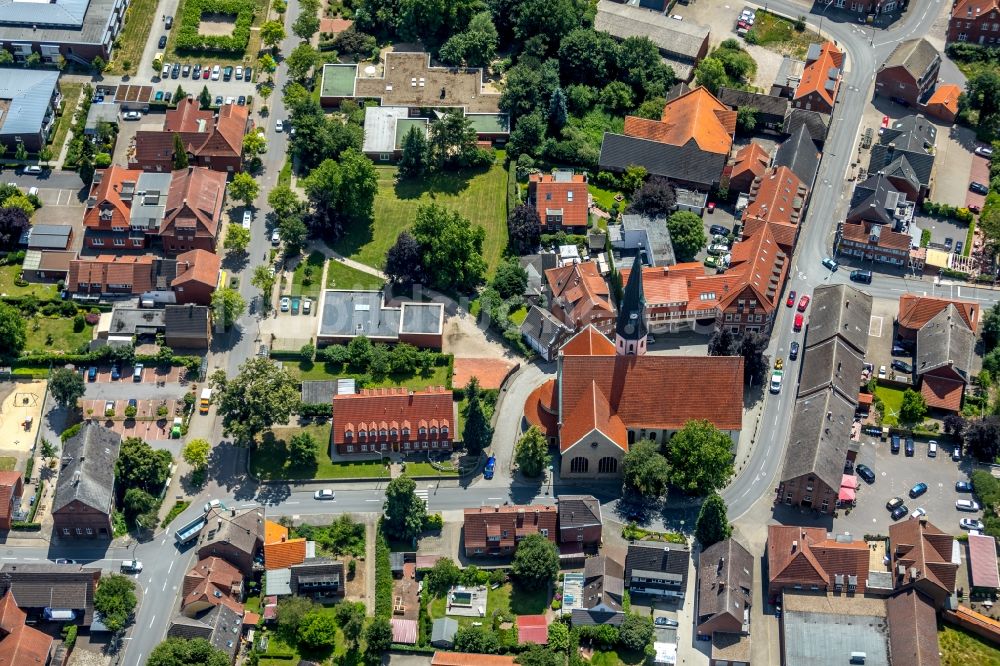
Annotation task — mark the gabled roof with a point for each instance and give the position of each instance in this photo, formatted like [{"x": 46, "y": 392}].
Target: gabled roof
[
  {"x": 214, "y": 581},
  {"x": 588, "y": 342},
  {"x": 911, "y": 138},
  {"x": 20, "y": 645},
  {"x": 543, "y": 326},
  {"x": 758, "y": 264},
  {"x": 430, "y": 410},
  {"x": 751, "y": 159},
  {"x": 874, "y": 200},
  {"x": 687, "y": 163},
  {"x": 532, "y": 629},
  {"x": 808, "y": 556},
  {"x": 465, "y": 659},
  {"x": 923, "y": 549},
  {"x": 725, "y": 581},
  {"x": 37, "y": 586},
  {"x": 592, "y": 412},
  {"x": 243, "y": 531},
  {"x": 798, "y": 153},
  {"x": 562, "y": 191},
  {"x": 112, "y": 269},
  {"x": 515, "y": 520},
  {"x": 970, "y": 9},
  {"x": 88, "y": 469},
  {"x": 776, "y": 197},
  {"x": 832, "y": 364},
  {"x": 916, "y": 310},
  {"x": 770, "y": 105},
  {"x": 281, "y": 551},
  {"x": 840, "y": 310},
  {"x": 197, "y": 266},
  {"x": 189, "y": 319},
  {"x": 818, "y": 443},
  {"x": 815, "y": 123},
  {"x": 696, "y": 117},
  {"x": 659, "y": 560},
  {"x": 194, "y": 201},
  {"x": 914, "y": 55},
  {"x": 579, "y": 511},
  {"x": 946, "y": 96},
  {"x": 821, "y": 74},
  {"x": 10, "y": 486},
  {"x": 913, "y": 636},
  {"x": 603, "y": 582},
  {"x": 580, "y": 293},
  {"x": 876, "y": 235},
  {"x": 631, "y": 323},
  {"x": 112, "y": 190},
  {"x": 946, "y": 341},
  {"x": 221, "y": 626}
]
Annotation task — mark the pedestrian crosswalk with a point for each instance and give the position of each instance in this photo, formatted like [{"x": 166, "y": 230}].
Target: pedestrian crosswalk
[{"x": 422, "y": 494}]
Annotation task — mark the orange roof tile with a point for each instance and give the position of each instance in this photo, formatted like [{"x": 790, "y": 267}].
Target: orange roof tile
[
  {"x": 946, "y": 95},
  {"x": 817, "y": 73},
  {"x": 915, "y": 311},
  {"x": 887, "y": 238},
  {"x": 776, "y": 196},
  {"x": 805, "y": 556},
  {"x": 374, "y": 409},
  {"x": 751, "y": 158},
  {"x": 274, "y": 532},
  {"x": 106, "y": 194},
  {"x": 541, "y": 408},
  {"x": 109, "y": 269},
  {"x": 10, "y": 615},
  {"x": 592, "y": 411},
  {"x": 695, "y": 116},
  {"x": 10, "y": 485},
  {"x": 197, "y": 266},
  {"x": 515, "y": 520},
  {"x": 919, "y": 544},
  {"x": 579, "y": 294},
  {"x": 759, "y": 264},
  {"x": 663, "y": 285},
  {"x": 283, "y": 554},
  {"x": 21, "y": 645},
  {"x": 569, "y": 196},
  {"x": 465, "y": 659},
  {"x": 942, "y": 393},
  {"x": 969, "y": 9},
  {"x": 588, "y": 342}
]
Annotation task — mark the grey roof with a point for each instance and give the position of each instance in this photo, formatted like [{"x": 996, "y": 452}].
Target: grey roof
[
  {"x": 149, "y": 204},
  {"x": 583, "y": 617},
  {"x": 899, "y": 168},
  {"x": 314, "y": 568},
  {"x": 676, "y": 90},
  {"x": 105, "y": 112},
  {"x": 186, "y": 319},
  {"x": 657, "y": 245},
  {"x": 351, "y": 313},
  {"x": 820, "y": 636},
  {"x": 539, "y": 324},
  {"x": 913, "y": 133},
  {"x": 49, "y": 236},
  {"x": 603, "y": 583},
  {"x": 536, "y": 265},
  {"x": 579, "y": 511},
  {"x": 668, "y": 560},
  {"x": 911, "y": 138},
  {"x": 874, "y": 200},
  {"x": 816, "y": 123},
  {"x": 61, "y": 14},
  {"x": 678, "y": 38},
  {"x": 26, "y": 92},
  {"x": 278, "y": 582},
  {"x": 244, "y": 530},
  {"x": 946, "y": 340},
  {"x": 422, "y": 318},
  {"x": 316, "y": 391},
  {"x": 443, "y": 631},
  {"x": 840, "y": 310},
  {"x": 832, "y": 363},
  {"x": 789, "y": 72},
  {"x": 687, "y": 163},
  {"x": 768, "y": 105},
  {"x": 380, "y": 127},
  {"x": 798, "y": 152},
  {"x": 136, "y": 321},
  {"x": 821, "y": 429},
  {"x": 725, "y": 581},
  {"x": 88, "y": 469},
  {"x": 915, "y": 55},
  {"x": 220, "y": 625},
  {"x": 62, "y": 586},
  {"x": 58, "y": 20}
]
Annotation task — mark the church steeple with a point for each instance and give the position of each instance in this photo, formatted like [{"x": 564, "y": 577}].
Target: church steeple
[{"x": 630, "y": 329}]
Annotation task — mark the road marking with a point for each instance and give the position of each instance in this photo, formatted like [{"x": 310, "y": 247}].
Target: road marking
[
  {"x": 151, "y": 621},
  {"x": 291, "y": 502},
  {"x": 31, "y": 559},
  {"x": 171, "y": 566},
  {"x": 164, "y": 589},
  {"x": 372, "y": 500},
  {"x": 488, "y": 498},
  {"x": 8, "y": 558}
]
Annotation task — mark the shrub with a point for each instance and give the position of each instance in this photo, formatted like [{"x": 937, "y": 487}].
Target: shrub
[
  {"x": 69, "y": 432},
  {"x": 383, "y": 577},
  {"x": 78, "y": 323},
  {"x": 69, "y": 636},
  {"x": 189, "y": 39},
  {"x": 433, "y": 521}
]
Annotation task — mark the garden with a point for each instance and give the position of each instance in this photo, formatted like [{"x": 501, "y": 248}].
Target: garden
[
  {"x": 191, "y": 35},
  {"x": 308, "y": 276},
  {"x": 276, "y": 458},
  {"x": 341, "y": 276},
  {"x": 781, "y": 35}
]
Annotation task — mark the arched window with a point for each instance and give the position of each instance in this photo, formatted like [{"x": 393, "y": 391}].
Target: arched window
[
  {"x": 579, "y": 465},
  {"x": 607, "y": 465}
]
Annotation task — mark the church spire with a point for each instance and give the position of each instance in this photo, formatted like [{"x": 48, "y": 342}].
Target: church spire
[{"x": 630, "y": 330}]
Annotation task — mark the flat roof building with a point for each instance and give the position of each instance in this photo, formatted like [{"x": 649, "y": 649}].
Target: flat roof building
[
  {"x": 77, "y": 30},
  {"x": 344, "y": 315},
  {"x": 28, "y": 101},
  {"x": 822, "y": 630}
]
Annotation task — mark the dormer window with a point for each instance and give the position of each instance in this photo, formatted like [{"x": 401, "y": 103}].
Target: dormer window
[
  {"x": 382, "y": 433},
  {"x": 394, "y": 432},
  {"x": 444, "y": 430},
  {"x": 422, "y": 431},
  {"x": 349, "y": 434},
  {"x": 372, "y": 434},
  {"x": 406, "y": 431},
  {"x": 434, "y": 430},
  {"x": 362, "y": 434}
]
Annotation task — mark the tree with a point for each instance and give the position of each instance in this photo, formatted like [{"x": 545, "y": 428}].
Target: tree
[
  {"x": 589, "y": 57},
  {"x": 476, "y": 640},
  {"x": 180, "y": 153},
  {"x": 306, "y": 25},
  {"x": 272, "y": 32},
  {"x": 342, "y": 192},
  {"x": 751, "y": 347},
  {"x": 551, "y": 19},
  {"x": 557, "y": 109},
  {"x": 141, "y": 466},
  {"x": 263, "y": 279},
  {"x": 404, "y": 260},
  {"x": 722, "y": 343},
  {"x": 187, "y": 652},
  {"x": 378, "y": 639},
  {"x": 317, "y": 631},
  {"x": 687, "y": 233},
  {"x": 302, "y": 450},
  {"x": 195, "y": 453},
  {"x": 532, "y": 452},
  {"x": 558, "y": 636},
  {"x": 477, "y": 433},
  {"x": 914, "y": 407},
  {"x": 115, "y": 601},
  {"x": 982, "y": 438},
  {"x": 536, "y": 562},
  {"x": 655, "y": 198},
  {"x": 641, "y": 66},
  {"x": 700, "y": 458},
  {"x": 475, "y": 47},
  {"x": 954, "y": 425},
  {"x": 254, "y": 144},
  {"x": 284, "y": 202},
  {"x": 49, "y": 450},
  {"x": 711, "y": 74},
  {"x": 137, "y": 501},
  {"x": 354, "y": 42},
  {"x": 746, "y": 119},
  {"x": 98, "y": 64},
  {"x": 351, "y": 619},
  {"x": 645, "y": 470},
  {"x": 13, "y": 222},
  {"x": 205, "y": 98},
  {"x": 404, "y": 511},
  {"x": 511, "y": 279},
  {"x": 452, "y": 248},
  {"x": 179, "y": 94},
  {"x": 634, "y": 177},
  {"x": 260, "y": 395},
  {"x": 20, "y": 153},
  {"x": 293, "y": 233},
  {"x": 651, "y": 109},
  {"x": 983, "y": 93},
  {"x": 527, "y": 136},
  {"x": 617, "y": 97},
  {"x": 413, "y": 162},
  {"x": 20, "y": 202},
  {"x": 237, "y": 238},
  {"x": 227, "y": 306},
  {"x": 713, "y": 523},
  {"x": 442, "y": 576},
  {"x": 524, "y": 229},
  {"x": 301, "y": 60},
  {"x": 635, "y": 632},
  {"x": 66, "y": 387},
  {"x": 243, "y": 188},
  {"x": 991, "y": 327},
  {"x": 45, "y": 155},
  {"x": 453, "y": 142},
  {"x": 538, "y": 655}
]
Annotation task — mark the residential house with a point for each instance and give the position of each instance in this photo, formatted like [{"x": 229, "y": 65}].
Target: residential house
[
  {"x": 788, "y": 77},
  {"x": 561, "y": 200},
  {"x": 394, "y": 420},
  {"x": 580, "y": 521},
  {"x": 280, "y": 550},
  {"x": 689, "y": 145},
  {"x": 799, "y": 153},
  {"x": 877, "y": 201},
  {"x": 580, "y": 297},
  {"x": 496, "y": 530},
  {"x": 943, "y": 102},
  {"x": 750, "y": 163},
  {"x": 187, "y": 326},
  {"x": 85, "y": 493},
  {"x": 385, "y": 129},
  {"x": 46, "y": 265},
  {"x": 11, "y": 490},
  {"x": 681, "y": 43},
  {"x": 642, "y": 235},
  {"x": 234, "y": 535},
  {"x": 193, "y": 210},
  {"x": 771, "y": 109},
  {"x": 808, "y": 558},
  {"x": 212, "y": 139},
  {"x": 975, "y": 22},
  {"x": 915, "y": 311},
  {"x": 318, "y": 577},
  {"x": 725, "y": 589},
  {"x": 815, "y": 123},
  {"x": 603, "y": 592},
  {"x": 54, "y": 587},
  {"x": 535, "y": 266},
  {"x": 817, "y": 91},
  {"x": 913, "y": 628},
  {"x": 77, "y": 31},
  {"x": 29, "y": 98},
  {"x": 543, "y": 332},
  {"x": 910, "y": 76},
  {"x": 20, "y": 643},
  {"x": 944, "y": 361},
  {"x": 922, "y": 558},
  {"x": 905, "y": 154},
  {"x": 874, "y": 242},
  {"x": 832, "y": 361},
  {"x": 777, "y": 201},
  {"x": 211, "y": 582},
  {"x": 220, "y": 625},
  {"x": 346, "y": 314},
  {"x": 110, "y": 275},
  {"x": 657, "y": 570}
]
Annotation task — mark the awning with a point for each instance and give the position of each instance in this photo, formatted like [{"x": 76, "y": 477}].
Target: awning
[
  {"x": 848, "y": 488},
  {"x": 848, "y": 481}
]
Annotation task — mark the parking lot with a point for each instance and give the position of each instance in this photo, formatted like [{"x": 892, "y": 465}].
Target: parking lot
[
  {"x": 942, "y": 229},
  {"x": 146, "y": 424},
  {"x": 881, "y": 333},
  {"x": 149, "y": 374}
]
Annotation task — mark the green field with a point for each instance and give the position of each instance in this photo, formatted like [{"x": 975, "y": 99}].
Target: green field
[
  {"x": 892, "y": 400},
  {"x": 479, "y": 196},
  {"x": 505, "y": 598},
  {"x": 64, "y": 338},
  {"x": 308, "y": 370},
  {"x": 341, "y": 276},
  {"x": 314, "y": 266},
  {"x": 7, "y": 463},
  {"x": 8, "y": 274},
  {"x": 269, "y": 461},
  {"x": 779, "y": 34},
  {"x": 132, "y": 41},
  {"x": 960, "y": 648},
  {"x": 614, "y": 658},
  {"x": 426, "y": 469},
  {"x": 71, "y": 95}
]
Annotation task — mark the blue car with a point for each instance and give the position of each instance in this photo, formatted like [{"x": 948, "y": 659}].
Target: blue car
[
  {"x": 116, "y": 373},
  {"x": 918, "y": 490},
  {"x": 491, "y": 464},
  {"x": 92, "y": 374}
]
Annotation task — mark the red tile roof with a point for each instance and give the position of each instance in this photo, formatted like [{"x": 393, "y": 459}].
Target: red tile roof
[
  {"x": 532, "y": 629},
  {"x": 946, "y": 96},
  {"x": 918, "y": 544},
  {"x": 817, "y": 73},
  {"x": 465, "y": 659},
  {"x": 106, "y": 195},
  {"x": 541, "y": 409},
  {"x": 696, "y": 116},
  {"x": 758, "y": 265},
  {"x": 915, "y": 311},
  {"x": 579, "y": 294},
  {"x": 20, "y": 644},
  {"x": 385, "y": 410},
  {"x": 887, "y": 238},
  {"x": 202, "y": 134},
  {"x": 913, "y": 638},
  {"x": 550, "y": 192},
  {"x": 776, "y": 198},
  {"x": 970, "y": 9},
  {"x": 194, "y": 203},
  {"x": 107, "y": 269},
  {"x": 805, "y": 556},
  {"x": 214, "y": 581},
  {"x": 188, "y": 116},
  {"x": 942, "y": 393},
  {"x": 516, "y": 521},
  {"x": 199, "y": 266},
  {"x": 664, "y": 285},
  {"x": 589, "y": 342},
  {"x": 10, "y": 615},
  {"x": 983, "y": 561},
  {"x": 11, "y": 486},
  {"x": 752, "y": 159}
]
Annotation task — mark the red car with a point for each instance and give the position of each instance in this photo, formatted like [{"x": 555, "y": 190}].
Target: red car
[
  {"x": 803, "y": 303},
  {"x": 798, "y": 322},
  {"x": 791, "y": 299}
]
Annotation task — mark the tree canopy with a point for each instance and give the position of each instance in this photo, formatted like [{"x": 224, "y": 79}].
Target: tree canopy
[
  {"x": 237, "y": 238},
  {"x": 244, "y": 188},
  {"x": 477, "y": 431},
  {"x": 259, "y": 396},
  {"x": 227, "y": 306},
  {"x": 687, "y": 233},
  {"x": 342, "y": 192},
  {"x": 66, "y": 386},
  {"x": 524, "y": 229},
  {"x": 645, "y": 470},
  {"x": 700, "y": 458},
  {"x": 13, "y": 331},
  {"x": 532, "y": 452},
  {"x": 115, "y": 600},
  {"x": 195, "y": 453},
  {"x": 536, "y": 562},
  {"x": 404, "y": 260},
  {"x": 141, "y": 466},
  {"x": 404, "y": 511},
  {"x": 452, "y": 248},
  {"x": 712, "y": 525},
  {"x": 187, "y": 652},
  {"x": 655, "y": 198}
]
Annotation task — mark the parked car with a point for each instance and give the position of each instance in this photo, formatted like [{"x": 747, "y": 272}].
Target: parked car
[
  {"x": 196, "y": 74},
  {"x": 241, "y": 100},
  {"x": 295, "y": 305},
  {"x": 948, "y": 242},
  {"x": 137, "y": 372},
  {"x": 932, "y": 448},
  {"x": 718, "y": 248},
  {"x": 866, "y": 473},
  {"x": 131, "y": 566},
  {"x": 186, "y": 71},
  {"x": 175, "y": 71},
  {"x": 956, "y": 453},
  {"x": 277, "y": 125},
  {"x": 899, "y": 512},
  {"x": 163, "y": 42},
  {"x": 861, "y": 276},
  {"x": 247, "y": 219},
  {"x": 958, "y": 247},
  {"x": 206, "y": 72},
  {"x": 158, "y": 97},
  {"x": 894, "y": 503},
  {"x": 710, "y": 207},
  {"x": 92, "y": 374},
  {"x": 116, "y": 373},
  {"x": 168, "y": 22},
  {"x": 918, "y": 512},
  {"x": 132, "y": 402},
  {"x": 165, "y": 71},
  {"x": 718, "y": 229},
  {"x": 776, "y": 377},
  {"x": 275, "y": 237},
  {"x": 63, "y": 560},
  {"x": 918, "y": 490},
  {"x": 129, "y": 115},
  {"x": 979, "y": 188},
  {"x": 984, "y": 151},
  {"x": 793, "y": 351},
  {"x": 216, "y": 72},
  {"x": 970, "y": 524},
  {"x": 246, "y": 73},
  {"x": 967, "y": 505},
  {"x": 212, "y": 504},
  {"x": 239, "y": 73},
  {"x": 286, "y": 303},
  {"x": 797, "y": 325},
  {"x": 898, "y": 350},
  {"x": 803, "y": 303},
  {"x": 830, "y": 263},
  {"x": 881, "y": 372},
  {"x": 166, "y": 97},
  {"x": 109, "y": 406},
  {"x": 227, "y": 73},
  {"x": 665, "y": 622},
  {"x": 909, "y": 447},
  {"x": 491, "y": 465},
  {"x": 902, "y": 366},
  {"x": 325, "y": 494},
  {"x": 790, "y": 301},
  {"x": 230, "y": 100},
  {"x": 218, "y": 100},
  {"x": 306, "y": 305},
  {"x": 894, "y": 443},
  {"x": 963, "y": 487}
]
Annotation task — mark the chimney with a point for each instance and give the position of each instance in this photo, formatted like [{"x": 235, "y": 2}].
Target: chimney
[{"x": 795, "y": 546}]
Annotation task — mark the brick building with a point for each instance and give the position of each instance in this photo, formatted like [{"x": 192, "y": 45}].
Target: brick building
[
  {"x": 975, "y": 22},
  {"x": 561, "y": 200},
  {"x": 808, "y": 558},
  {"x": 85, "y": 492},
  {"x": 496, "y": 530},
  {"x": 817, "y": 89},
  {"x": 212, "y": 139},
  {"x": 394, "y": 420},
  {"x": 580, "y": 297}
]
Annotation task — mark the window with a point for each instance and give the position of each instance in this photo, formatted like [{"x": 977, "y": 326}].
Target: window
[
  {"x": 65, "y": 531},
  {"x": 434, "y": 430},
  {"x": 548, "y": 196},
  {"x": 607, "y": 465},
  {"x": 788, "y": 498},
  {"x": 569, "y": 196},
  {"x": 382, "y": 432},
  {"x": 97, "y": 241},
  {"x": 90, "y": 531},
  {"x": 729, "y": 316},
  {"x": 504, "y": 534},
  {"x": 545, "y": 532},
  {"x": 406, "y": 431},
  {"x": 579, "y": 465},
  {"x": 119, "y": 242},
  {"x": 422, "y": 431},
  {"x": 384, "y": 446},
  {"x": 394, "y": 432},
  {"x": 364, "y": 447},
  {"x": 79, "y": 531},
  {"x": 384, "y": 157},
  {"x": 350, "y": 449}
]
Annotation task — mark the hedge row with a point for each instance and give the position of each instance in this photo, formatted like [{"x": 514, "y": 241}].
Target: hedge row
[
  {"x": 383, "y": 577},
  {"x": 189, "y": 39},
  {"x": 959, "y": 213},
  {"x": 25, "y": 526}
]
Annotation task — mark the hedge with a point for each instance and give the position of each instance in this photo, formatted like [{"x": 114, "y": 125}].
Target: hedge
[
  {"x": 189, "y": 39},
  {"x": 25, "y": 526},
  {"x": 70, "y": 432},
  {"x": 39, "y": 490},
  {"x": 383, "y": 577},
  {"x": 315, "y": 410}
]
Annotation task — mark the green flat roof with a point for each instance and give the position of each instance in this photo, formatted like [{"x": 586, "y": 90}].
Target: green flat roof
[
  {"x": 403, "y": 126},
  {"x": 338, "y": 80},
  {"x": 489, "y": 123}
]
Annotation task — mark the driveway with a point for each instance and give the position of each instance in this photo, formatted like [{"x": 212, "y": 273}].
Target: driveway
[
  {"x": 941, "y": 229},
  {"x": 952, "y": 164},
  {"x": 979, "y": 172}
]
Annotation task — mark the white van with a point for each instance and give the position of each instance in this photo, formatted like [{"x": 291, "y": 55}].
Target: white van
[{"x": 247, "y": 218}]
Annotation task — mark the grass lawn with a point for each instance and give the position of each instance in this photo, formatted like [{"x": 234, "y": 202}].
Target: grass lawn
[
  {"x": 892, "y": 399},
  {"x": 270, "y": 459},
  {"x": 313, "y": 265},
  {"x": 277, "y": 644},
  {"x": 7, "y": 287},
  {"x": 223, "y": 59},
  {"x": 309, "y": 370},
  {"x": 504, "y": 598},
  {"x": 518, "y": 315},
  {"x": 779, "y": 35},
  {"x": 426, "y": 469},
  {"x": 480, "y": 196},
  {"x": 134, "y": 36},
  {"x": 604, "y": 199},
  {"x": 341, "y": 276},
  {"x": 64, "y": 338},
  {"x": 615, "y": 658},
  {"x": 71, "y": 94},
  {"x": 7, "y": 463},
  {"x": 959, "y": 647}
]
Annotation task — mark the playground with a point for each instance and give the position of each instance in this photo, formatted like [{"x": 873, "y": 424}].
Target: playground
[{"x": 20, "y": 415}]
